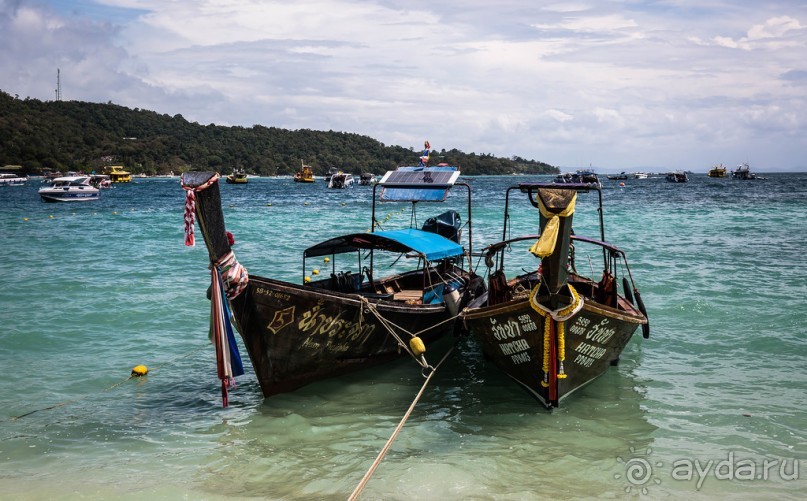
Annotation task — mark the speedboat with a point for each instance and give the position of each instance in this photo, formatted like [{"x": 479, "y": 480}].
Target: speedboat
[
  {"x": 70, "y": 189},
  {"x": 743, "y": 172},
  {"x": 341, "y": 180},
  {"x": 8, "y": 179},
  {"x": 581, "y": 176},
  {"x": 101, "y": 181},
  {"x": 677, "y": 177}
]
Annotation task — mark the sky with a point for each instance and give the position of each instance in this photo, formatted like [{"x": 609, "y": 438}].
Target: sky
[{"x": 615, "y": 85}]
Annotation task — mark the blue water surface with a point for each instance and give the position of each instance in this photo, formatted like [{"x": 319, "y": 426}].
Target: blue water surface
[{"x": 90, "y": 290}]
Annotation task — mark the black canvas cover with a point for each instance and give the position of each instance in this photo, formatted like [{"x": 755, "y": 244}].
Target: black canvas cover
[{"x": 446, "y": 224}]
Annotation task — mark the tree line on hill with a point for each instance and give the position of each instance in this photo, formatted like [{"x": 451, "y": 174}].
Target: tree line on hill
[{"x": 71, "y": 135}]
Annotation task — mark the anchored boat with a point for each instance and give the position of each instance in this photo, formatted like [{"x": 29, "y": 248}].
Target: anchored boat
[
  {"x": 554, "y": 329},
  {"x": 238, "y": 176},
  {"x": 69, "y": 189},
  {"x": 304, "y": 175},
  {"x": 353, "y": 317},
  {"x": 717, "y": 171}
]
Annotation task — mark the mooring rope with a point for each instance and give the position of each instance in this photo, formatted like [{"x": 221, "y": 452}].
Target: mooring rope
[
  {"x": 391, "y": 326},
  {"x": 380, "y": 457}
]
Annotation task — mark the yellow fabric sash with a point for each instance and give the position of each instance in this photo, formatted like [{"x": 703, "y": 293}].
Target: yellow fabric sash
[{"x": 549, "y": 236}]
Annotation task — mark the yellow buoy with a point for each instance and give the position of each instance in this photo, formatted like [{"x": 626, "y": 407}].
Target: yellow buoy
[
  {"x": 417, "y": 346},
  {"x": 307, "y": 279},
  {"x": 327, "y": 260},
  {"x": 25, "y": 219},
  {"x": 140, "y": 370},
  {"x": 269, "y": 205},
  {"x": 315, "y": 271},
  {"x": 51, "y": 216}
]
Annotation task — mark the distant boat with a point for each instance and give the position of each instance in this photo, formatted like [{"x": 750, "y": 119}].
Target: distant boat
[
  {"x": 341, "y": 180},
  {"x": 743, "y": 173},
  {"x": 118, "y": 175},
  {"x": 304, "y": 175},
  {"x": 677, "y": 177},
  {"x": 100, "y": 181},
  {"x": 8, "y": 179},
  {"x": 367, "y": 179},
  {"x": 579, "y": 177},
  {"x": 69, "y": 189},
  {"x": 640, "y": 175},
  {"x": 717, "y": 171},
  {"x": 238, "y": 177},
  {"x": 620, "y": 176}
]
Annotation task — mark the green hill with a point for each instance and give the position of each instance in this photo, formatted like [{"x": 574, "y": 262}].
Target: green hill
[{"x": 72, "y": 135}]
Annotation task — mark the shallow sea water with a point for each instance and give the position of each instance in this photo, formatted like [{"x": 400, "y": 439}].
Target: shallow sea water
[{"x": 713, "y": 404}]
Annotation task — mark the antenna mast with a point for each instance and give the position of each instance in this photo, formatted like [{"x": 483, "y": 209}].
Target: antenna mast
[{"x": 58, "y": 85}]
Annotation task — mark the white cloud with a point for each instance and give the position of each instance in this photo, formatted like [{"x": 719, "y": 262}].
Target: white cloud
[{"x": 558, "y": 82}]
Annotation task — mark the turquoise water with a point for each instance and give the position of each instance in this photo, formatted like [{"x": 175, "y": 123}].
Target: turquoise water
[{"x": 713, "y": 404}]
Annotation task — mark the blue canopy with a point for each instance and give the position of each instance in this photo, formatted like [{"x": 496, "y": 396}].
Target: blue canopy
[{"x": 429, "y": 245}]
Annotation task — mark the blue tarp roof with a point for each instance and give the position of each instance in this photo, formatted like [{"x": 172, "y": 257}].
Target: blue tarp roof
[{"x": 430, "y": 245}]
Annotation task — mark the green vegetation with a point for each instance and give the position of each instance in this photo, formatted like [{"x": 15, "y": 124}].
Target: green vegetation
[{"x": 71, "y": 135}]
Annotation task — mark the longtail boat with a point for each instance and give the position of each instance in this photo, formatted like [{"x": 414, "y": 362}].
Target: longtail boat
[
  {"x": 331, "y": 324},
  {"x": 552, "y": 328}
]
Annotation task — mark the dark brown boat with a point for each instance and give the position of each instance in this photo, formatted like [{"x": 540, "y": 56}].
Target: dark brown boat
[
  {"x": 298, "y": 333},
  {"x": 553, "y": 330}
]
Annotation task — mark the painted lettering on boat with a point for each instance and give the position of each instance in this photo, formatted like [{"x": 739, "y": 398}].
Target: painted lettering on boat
[
  {"x": 309, "y": 343},
  {"x": 579, "y": 326},
  {"x": 275, "y": 294},
  {"x": 589, "y": 350},
  {"x": 527, "y": 323},
  {"x": 317, "y": 322},
  {"x": 503, "y": 332},
  {"x": 514, "y": 346},
  {"x": 520, "y": 358},
  {"x": 601, "y": 333},
  {"x": 583, "y": 360}
]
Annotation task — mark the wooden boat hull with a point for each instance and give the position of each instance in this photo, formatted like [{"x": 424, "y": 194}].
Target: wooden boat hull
[
  {"x": 554, "y": 330},
  {"x": 511, "y": 335},
  {"x": 296, "y": 335}
]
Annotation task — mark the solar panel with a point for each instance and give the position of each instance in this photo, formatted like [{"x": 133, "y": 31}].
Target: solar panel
[{"x": 415, "y": 184}]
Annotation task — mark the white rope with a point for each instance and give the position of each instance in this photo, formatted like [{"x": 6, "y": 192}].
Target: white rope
[{"x": 380, "y": 457}]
